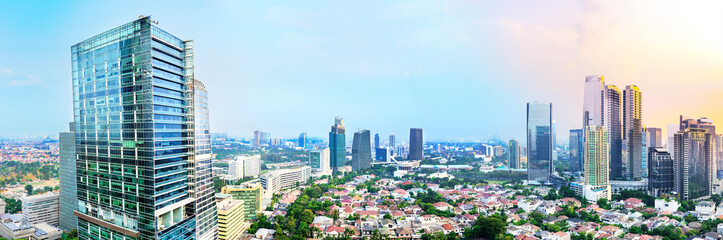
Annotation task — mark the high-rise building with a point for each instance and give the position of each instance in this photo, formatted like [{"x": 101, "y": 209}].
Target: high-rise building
[
  {"x": 539, "y": 142},
  {"x": 416, "y": 148},
  {"x": 592, "y": 104},
  {"x": 611, "y": 119},
  {"x": 707, "y": 124},
  {"x": 693, "y": 163},
  {"x": 251, "y": 165},
  {"x": 513, "y": 154},
  {"x": 302, "y": 140},
  {"x": 230, "y": 217},
  {"x": 257, "y": 139},
  {"x": 383, "y": 154},
  {"x": 391, "y": 141},
  {"x": 576, "y": 148},
  {"x": 596, "y": 156},
  {"x": 68, "y": 183},
  {"x": 655, "y": 137},
  {"x": 376, "y": 141},
  {"x": 319, "y": 161},
  {"x": 43, "y": 208},
  {"x": 671, "y": 130},
  {"x": 264, "y": 138},
  {"x": 200, "y": 182},
  {"x": 250, "y": 194},
  {"x": 644, "y": 152},
  {"x": 337, "y": 145},
  {"x": 661, "y": 173},
  {"x": 140, "y": 172},
  {"x": 361, "y": 151},
  {"x": 632, "y": 129}
]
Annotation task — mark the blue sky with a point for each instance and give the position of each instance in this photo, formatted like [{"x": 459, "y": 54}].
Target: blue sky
[{"x": 458, "y": 69}]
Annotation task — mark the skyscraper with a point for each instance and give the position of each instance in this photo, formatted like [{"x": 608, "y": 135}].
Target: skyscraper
[
  {"x": 391, "y": 141},
  {"x": 539, "y": 142},
  {"x": 142, "y": 176},
  {"x": 302, "y": 140},
  {"x": 611, "y": 121},
  {"x": 707, "y": 124},
  {"x": 596, "y": 156},
  {"x": 576, "y": 148},
  {"x": 592, "y": 104},
  {"x": 693, "y": 163},
  {"x": 644, "y": 152},
  {"x": 655, "y": 137},
  {"x": 632, "y": 132},
  {"x": 68, "y": 183},
  {"x": 257, "y": 139},
  {"x": 661, "y": 173},
  {"x": 337, "y": 144},
  {"x": 670, "y": 141},
  {"x": 319, "y": 161},
  {"x": 416, "y": 147},
  {"x": 513, "y": 154},
  {"x": 199, "y": 161},
  {"x": 376, "y": 141},
  {"x": 361, "y": 150}
]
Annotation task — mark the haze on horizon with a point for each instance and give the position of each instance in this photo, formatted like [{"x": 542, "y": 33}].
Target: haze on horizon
[{"x": 462, "y": 70}]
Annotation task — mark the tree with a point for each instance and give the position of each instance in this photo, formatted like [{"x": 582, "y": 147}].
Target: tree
[
  {"x": 603, "y": 203},
  {"x": 387, "y": 216},
  {"x": 689, "y": 218},
  {"x": 488, "y": 227},
  {"x": 29, "y": 189},
  {"x": 307, "y": 216}
]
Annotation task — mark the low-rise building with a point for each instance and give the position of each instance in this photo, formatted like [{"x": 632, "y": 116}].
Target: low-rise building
[
  {"x": 13, "y": 226},
  {"x": 44, "y": 231},
  {"x": 43, "y": 208},
  {"x": 277, "y": 180}
]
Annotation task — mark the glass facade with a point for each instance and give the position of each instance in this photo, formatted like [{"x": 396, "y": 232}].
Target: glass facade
[
  {"x": 576, "y": 148},
  {"x": 539, "y": 142},
  {"x": 361, "y": 150},
  {"x": 68, "y": 188},
  {"x": 337, "y": 144},
  {"x": 416, "y": 142},
  {"x": 694, "y": 163},
  {"x": 134, "y": 134}
]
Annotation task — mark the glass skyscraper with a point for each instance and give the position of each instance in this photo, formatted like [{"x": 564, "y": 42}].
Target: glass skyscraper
[
  {"x": 539, "y": 142},
  {"x": 576, "y": 148},
  {"x": 142, "y": 139},
  {"x": 337, "y": 144},
  {"x": 361, "y": 150},
  {"x": 68, "y": 188},
  {"x": 513, "y": 154},
  {"x": 416, "y": 148},
  {"x": 694, "y": 163}
]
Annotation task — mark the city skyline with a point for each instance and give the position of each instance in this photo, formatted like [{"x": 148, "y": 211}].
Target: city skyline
[{"x": 455, "y": 48}]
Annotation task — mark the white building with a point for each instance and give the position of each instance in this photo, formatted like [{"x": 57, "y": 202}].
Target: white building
[
  {"x": 590, "y": 192},
  {"x": 44, "y": 231},
  {"x": 662, "y": 205},
  {"x": 320, "y": 161},
  {"x": 277, "y": 180},
  {"x": 245, "y": 167},
  {"x": 13, "y": 226},
  {"x": 42, "y": 208}
]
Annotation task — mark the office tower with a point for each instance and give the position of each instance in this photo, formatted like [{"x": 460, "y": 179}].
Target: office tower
[
  {"x": 337, "y": 144},
  {"x": 554, "y": 140},
  {"x": 376, "y": 141},
  {"x": 644, "y": 152},
  {"x": 596, "y": 156},
  {"x": 230, "y": 217},
  {"x": 264, "y": 138},
  {"x": 302, "y": 140},
  {"x": 250, "y": 194},
  {"x": 319, "y": 161},
  {"x": 655, "y": 137},
  {"x": 416, "y": 148},
  {"x": 361, "y": 151},
  {"x": 707, "y": 124},
  {"x": 513, "y": 154},
  {"x": 68, "y": 188},
  {"x": 592, "y": 104},
  {"x": 199, "y": 160},
  {"x": 576, "y": 148},
  {"x": 43, "y": 208},
  {"x": 611, "y": 119},
  {"x": 539, "y": 142},
  {"x": 391, "y": 141},
  {"x": 632, "y": 132},
  {"x": 257, "y": 139},
  {"x": 694, "y": 165},
  {"x": 250, "y": 165},
  {"x": 134, "y": 173},
  {"x": 383, "y": 154},
  {"x": 236, "y": 169},
  {"x": 278, "y": 180},
  {"x": 671, "y": 130},
  {"x": 661, "y": 174}
]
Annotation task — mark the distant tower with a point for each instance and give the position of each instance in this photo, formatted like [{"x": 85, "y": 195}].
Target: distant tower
[
  {"x": 337, "y": 144},
  {"x": 513, "y": 152},
  {"x": 539, "y": 142},
  {"x": 361, "y": 151},
  {"x": 391, "y": 141},
  {"x": 416, "y": 147},
  {"x": 302, "y": 140},
  {"x": 632, "y": 130},
  {"x": 576, "y": 148},
  {"x": 257, "y": 139},
  {"x": 376, "y": 141}
]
